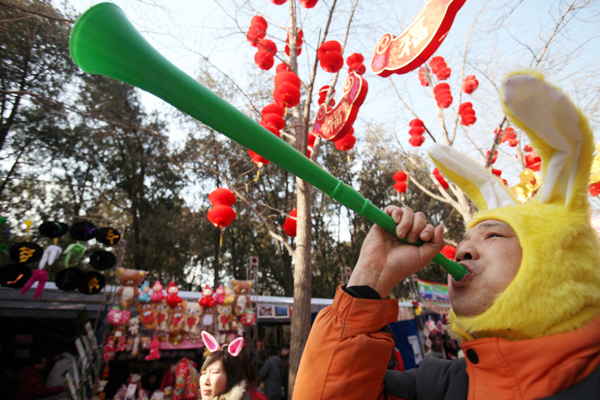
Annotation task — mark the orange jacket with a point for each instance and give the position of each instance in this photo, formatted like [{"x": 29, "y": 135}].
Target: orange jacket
[{"x": 347, "y": 354}]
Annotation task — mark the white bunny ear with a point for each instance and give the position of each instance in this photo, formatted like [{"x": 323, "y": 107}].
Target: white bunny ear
[
  {"x": 484, "y": 190},
  {"x": 558, "y": 132},
  {"x": 236, "y": 346},
  {"x": 210, "y": 342}
]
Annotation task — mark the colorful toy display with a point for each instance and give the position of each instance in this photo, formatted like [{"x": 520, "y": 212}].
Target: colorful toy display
[{"x": 130, "y": 280}]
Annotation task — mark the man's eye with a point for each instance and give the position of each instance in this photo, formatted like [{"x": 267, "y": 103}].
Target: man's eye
[{"x": 491, "y": 235}]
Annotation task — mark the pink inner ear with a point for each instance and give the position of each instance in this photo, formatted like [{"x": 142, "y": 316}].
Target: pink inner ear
[
  {"x": 210, "y": 342},
  {"x": 236, "y": 346}
]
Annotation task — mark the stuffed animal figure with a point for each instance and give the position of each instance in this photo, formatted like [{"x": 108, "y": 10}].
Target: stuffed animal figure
[
  {"x": 248, "y": 318},
  {"x": 176, "y": 338},
  {"x": 120, "y": 338},
  {"x": 237, "y": 326},
  {"x": 207, "y": 299},
  {"x": 224, "y": 317},
  {"x": 172, "y": 298},
  {"x": 242, "y": 298},
  {"x": 229, "y": 299},
  {"x": 154, "y": 353},
  {"x": 118, "y": 316},
  {"x": 157, "y": 292},
  {"x": 193, "y": 312},
  {"x": 144, "y": 296},
  {"x": 133, "y": 326},
  {"x": 147, "y": 314},
  {"x": 176, "y": 317},
  {"x": 162, "y": 315},
  {"x": 186, "y": 380},
  {"x": 557, "y": 286},
  {"x": 220, "y": 295},
  {"x": 208, "y": 318},
  {"x": 130, "y": 280}
]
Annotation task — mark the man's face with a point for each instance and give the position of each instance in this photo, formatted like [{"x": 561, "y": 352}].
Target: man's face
[{"x": 492, "y": 254}]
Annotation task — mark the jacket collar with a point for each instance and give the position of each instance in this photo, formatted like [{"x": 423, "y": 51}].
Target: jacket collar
[
  {"x": 238, "y": 392},
  {"x": 535, "y": 368}
]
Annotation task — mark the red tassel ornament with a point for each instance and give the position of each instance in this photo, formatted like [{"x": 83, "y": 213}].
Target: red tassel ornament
[
  {"x": 417, "y": 128},
  {"x": 470, "y": 84},
  {"x": 422, "y": 77},
  {"x": 467, "y": 114},
  {"x": 439, "y": 68},
  {"x": 443, "y": 97}
]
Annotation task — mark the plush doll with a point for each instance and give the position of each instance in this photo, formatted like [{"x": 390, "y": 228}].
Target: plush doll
[
  {"x": 133, "y": 326},
  {"x": 176, "y": 317},
  {"x": 172, "y": 298},
  {"x": 157, "y": 292},
  {"x": 229, "y": 299},
  {"x": 176, "y": 338},
  {"x": 118, "y": 316},
  {"x": 193, "y": 312},
  {"x": 237, "y": 326},
  {"x": 224, "y": 316},
  {"x": 220, "y": 295},
  {"x": 248, "y": 318},
  {"x": 144, "y": 296},
  {"x": 162, "y": 315},
  {"x": 207, "y": 299},
  {"x": 120, "y": 338},
  {"x": 242, "y": 299},
  {"x": 130, "y": 280},
  {"x": 208, "y": 318},
  {"x": 557, "y": 287},
  {"x": 147, "y": 314},
  {"x": 154, "y": 353}
]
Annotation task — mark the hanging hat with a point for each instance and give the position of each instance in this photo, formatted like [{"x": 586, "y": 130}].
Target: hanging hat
[
  {"x": 93, "y": 282},
  {"x": 53, "y": 229},
  {"x": 26, "y": 252},
  {"x": 69, "y": 279},
  {"x": 108, "y": 236},
  {"x": 14, "y": 275},
  {"x": 83, "y": 231},
  {"x": 102, "y": 260}
]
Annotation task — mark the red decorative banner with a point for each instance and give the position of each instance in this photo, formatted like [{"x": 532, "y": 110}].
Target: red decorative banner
[
  {"x": 402, "y": 54},
  {"x": 336, "y": 123}
]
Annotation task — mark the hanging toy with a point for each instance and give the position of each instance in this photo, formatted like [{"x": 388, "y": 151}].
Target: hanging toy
[
  {"x": 248, "y": 318},
  {"x": 130, "y": 279},
  {"x": 207, "y": 299},
  {"x": 229, "y": 299},
  {"x": 172, "y": 298},
  {"x": 76, "y": 251},
  {"x": 83, "y": 231},
  {"x": 154, "y": 353},
  {"x": 40, "y": 275},
  {"x": 107, "y": 236},
  {"x": 118, "y": 317},
  {"x": 147, "y": 314},
  {"x": 25, "y": 252},
  {"x": 133, "y": 326},
  {"x": 220, "y": 295},
  {"x": 144, "y": 296},
  {"x": 157, "y": 292}
]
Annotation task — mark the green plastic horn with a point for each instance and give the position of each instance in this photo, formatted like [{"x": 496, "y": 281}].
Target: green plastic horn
[{"x": 104, "y": 42}]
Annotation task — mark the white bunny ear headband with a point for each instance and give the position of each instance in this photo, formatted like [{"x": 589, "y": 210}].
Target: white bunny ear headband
[{"x": 212, "y": 345}]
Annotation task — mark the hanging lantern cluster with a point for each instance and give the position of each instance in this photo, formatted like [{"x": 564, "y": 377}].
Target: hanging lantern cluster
[
  {"x": 417, "y": 128},
  {"x": 265, "y": 54},
  {"x": 470, "y": 83},
  {"x": 355, "y": 63},
  {"x": 509, "y": 136},
  {"x": 257, "y": 30},
  {"x": 272, "y": 118},
  {"x": 487, "y": 155},
  {"x": 533, "y": 161},
  {"x": 299, "y": 42},
  {"x": 423, "y": 77},
  {"x": 401, "y": 179},
  {"x": 330, "y": 56},
  {"x": 467, "y": 114},
  {"x": 221, "y": 214},
  {"x": 346, "y": 142},
  {"x": 308, "y": 3},
  {"x": 442, "y": 94},
  {"x": 449, "y": 252},
  {"x": 440, "y": 68},
  {"x": 290, "y": 223},
  {"x": 323, "y": 96},
  {"x": 287, "y": 89},
  {"x": 440, "y": 179}
]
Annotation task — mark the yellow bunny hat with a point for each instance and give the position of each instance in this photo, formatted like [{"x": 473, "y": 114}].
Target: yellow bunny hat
[{"x": 557, "y": 287}]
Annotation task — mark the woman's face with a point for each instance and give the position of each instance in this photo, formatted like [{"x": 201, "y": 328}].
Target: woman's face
[{"x": 213, "y": 381}]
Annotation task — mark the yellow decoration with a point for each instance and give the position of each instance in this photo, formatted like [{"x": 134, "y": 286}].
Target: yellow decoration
[
  {"x": 595, "y": 172},
  {"x": 529, "y": 185}
]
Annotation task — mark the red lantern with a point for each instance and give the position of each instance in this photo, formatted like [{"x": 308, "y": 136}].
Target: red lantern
[
  {"x": 487, "y": 155},
  {"x": 273, "y": 119},
  {"x": 443, "y": 97},
  {"x": 347, "y": 142},
  {"x": 299, "y": 42},
  {"x": 257, "y": 30},
  {"x": 323, "y": 95},
  {"x": 270, "y": 128},
  {"x": 273, "y": 108},
  {"x": 594, "y": 189},
  {"x": 440, "y": 179},
  {"x": 416, "y": 141},
  {"x": 355, "y": 63},
  {"x": 449, "y": 252},
  {"x": 496, "y": 172},
  {"x": 533, "y": 161},
  {"x": 527, "y": 148},
  {"x": 282, "y": 67},
  {"x": 222, "y": 196},
  {"x": 400, "y": 176},
  {"x": 286, "y": 95},
  {"x": 470, "y": 83},
  {"x": 221, "y": 216},
  {"x": 417, "y": 128},
  {"x": 258, "y": 159},
  {"x": 278, "y": 2},
  {"x": 422, "y": 77},
  {"x": 508, "y": 135},
  {"x": 311, "y": 143},
  {"x": 467, "y": 114},
  {"x": 290, "y": 223},
  {"x": 308, "y": 3},
  {"x": 401, "y": 185},
  {"x": 289, "y": 77},
  {"x": 264, "y": 60},
  {"x": 330, "y": 56},
  {"x": 439, "y": 68}
]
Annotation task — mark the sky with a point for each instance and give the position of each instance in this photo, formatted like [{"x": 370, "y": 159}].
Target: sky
[{"x": 501, "y": 36}]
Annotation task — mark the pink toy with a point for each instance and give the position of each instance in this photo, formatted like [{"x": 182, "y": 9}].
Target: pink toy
[
  {"x": 154, "y": 353},
  {"x": 220, "y": 295},
  {"x": 118, "y": 317},
  {"x": 157, "y": 292},
  {"x": 41, "y": 277}
]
